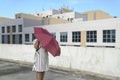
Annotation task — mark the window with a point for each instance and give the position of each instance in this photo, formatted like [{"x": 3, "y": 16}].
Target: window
[
  {"x": 68, "y": 19},
  {"x": 54, "y": 35},
  {"x": 19, "y": 28},
  {"x": 58, "y": 17},
  {"x": 109, "y": 36},
  {"x": 71, "y": 19},
  {"x": 37, "y": 14},
  {"x": 8, "y": 39},
  {"x": 91, "y": 36},
  {"x": 14, "y": 28},
  {"x": 63, "y": 36},
  {"x": 13, "y": 39},
  {"x": 8, "y": 29},
  {"x": 46, "y": 16},
  {"x": 20, "y": 38},
  {"x": 19, "y": 17},
  {"x": 76, "y": 36},
  {"x": 3, "y": 29},
  {"x": 26, "y": 37},
  {"x": 33, "y": 37},
  {"x": 3, "y": 39}
]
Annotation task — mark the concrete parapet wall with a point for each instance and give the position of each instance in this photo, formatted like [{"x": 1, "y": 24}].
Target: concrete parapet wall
[{"x": 105, "y": 61}]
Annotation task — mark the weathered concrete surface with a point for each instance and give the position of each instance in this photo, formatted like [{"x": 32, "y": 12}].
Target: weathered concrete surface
[{"x": 16, "y": 71}]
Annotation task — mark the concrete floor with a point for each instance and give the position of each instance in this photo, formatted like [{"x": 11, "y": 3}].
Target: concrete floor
[{"x": 15, "y": 71}]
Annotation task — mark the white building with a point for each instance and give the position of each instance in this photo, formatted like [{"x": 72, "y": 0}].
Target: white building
[
  {"x": 98, "y": 33},
  {"x": 11, "y": 32},
  {"x": 95, "y": 33},
  {"x": 71, "y": 16},
  {"x": 47, "y": 13},
  {"x": 66, "y": 15}
]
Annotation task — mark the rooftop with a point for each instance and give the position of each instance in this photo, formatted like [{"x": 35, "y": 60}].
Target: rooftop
[{"x": 18, "y": 71}]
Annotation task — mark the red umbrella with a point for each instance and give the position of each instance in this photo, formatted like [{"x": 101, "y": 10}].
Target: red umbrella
[{"x": 47, "y": 40}]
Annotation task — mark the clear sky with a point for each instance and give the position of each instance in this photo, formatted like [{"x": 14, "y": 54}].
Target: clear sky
[{"x": 8, "y": 8}]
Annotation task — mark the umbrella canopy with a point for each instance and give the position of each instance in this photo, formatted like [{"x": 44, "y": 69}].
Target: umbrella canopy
[{"x": 47, "y": 40}]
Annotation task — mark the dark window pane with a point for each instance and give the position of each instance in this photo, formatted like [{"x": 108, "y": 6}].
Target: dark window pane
[
  {"x": 8, "y": 39},
  {"x": 104, "y": 32},
  {"x": 63, "y": 37},
  {"x": 3, "y": 30},
  {"x": 76, "y": 36},
  {"x": 108, "y": 31},
  {"x": 14, "y": 28},
  {"x": 109, "y": 36},
  {"x": 8, "y": 29},
  {"x": 19, "y": 28},
  {"x": 26, "y": 37},
  {"x": 104, "y": 40},
  {"x": 20, "y": 38},
  {"x": 108, "y": 40},
  {"x": 3, "y": 39},
  {"x": 13, "y": 39},
  {"x": 91, "y": 36},
  {"x": 113, "y": 40}
]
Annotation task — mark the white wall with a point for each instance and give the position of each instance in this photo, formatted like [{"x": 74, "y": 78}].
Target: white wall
[
  {"x": 104, "y": 61},
  {"x": 12, "y": 22},
  {"x": 47, "y": 13},
  {"x": 30, "y": 22},
  {"x": 98, "y": 25},
  {"x": 78, "y": 15},
  {"x": 65, "y": 15}
]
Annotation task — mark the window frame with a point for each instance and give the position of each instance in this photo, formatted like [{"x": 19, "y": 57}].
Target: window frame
[
  {"x": 20, "y": 38},
  {"x": 63, "y": 37},
  {"x": 53, "y": 34},
  {"x": 76, "y": 36},
  {"x": 8, "y": 29},
  {"x": 91, "y": 36},
  {"x": 3, "y": 39},
  {"x": 8, "y": 39},
  {"x": 20, "y": 28},
  {"x": 3, "y": 29},
  {"x": 14, "y": 28},
  {"x": 27, "y": 37},
  {"x": 13, "y": 38},
  {"x": 109, "y": 36}
]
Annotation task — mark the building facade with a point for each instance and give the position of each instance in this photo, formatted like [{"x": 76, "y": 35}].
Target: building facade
[
  {"x": 69, "y": 29},
  {"x": 98, "y": 33},
  {"x": 97, "y": 14},
  {"x": 12, "y": 31},
  {"x": 63, "y": 14}
]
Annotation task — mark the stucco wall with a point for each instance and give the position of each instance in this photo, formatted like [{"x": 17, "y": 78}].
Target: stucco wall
[
  {"x": 97, "y": 14},
  {"x": 104, "y": 61},
  {"x": 30, "y": 22}
]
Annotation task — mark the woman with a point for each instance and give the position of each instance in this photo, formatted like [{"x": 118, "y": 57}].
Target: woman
[{"x": 40, "y": 60}]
